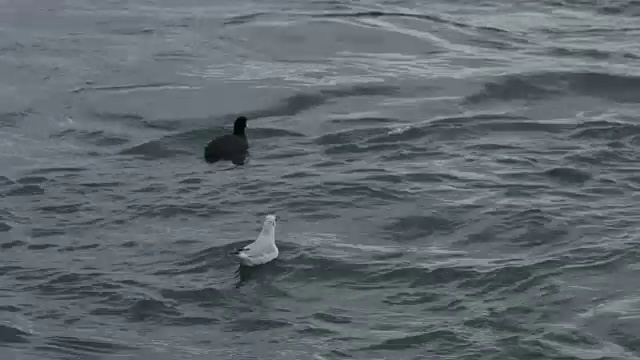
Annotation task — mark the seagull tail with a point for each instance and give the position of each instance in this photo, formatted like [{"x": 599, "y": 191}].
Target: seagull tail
[{"x": 241, "y": 254}]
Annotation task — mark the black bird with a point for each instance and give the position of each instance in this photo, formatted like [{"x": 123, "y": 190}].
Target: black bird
[{"x": 233, "y": 147}]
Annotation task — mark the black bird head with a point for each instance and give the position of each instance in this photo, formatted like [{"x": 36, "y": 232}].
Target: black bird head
[{"x": 239, "y": 125}]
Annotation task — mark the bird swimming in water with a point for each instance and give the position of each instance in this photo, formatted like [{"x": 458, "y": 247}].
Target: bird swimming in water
[
  {"x": 263, "y": 249},
  {"x": 233, "y": 147}
]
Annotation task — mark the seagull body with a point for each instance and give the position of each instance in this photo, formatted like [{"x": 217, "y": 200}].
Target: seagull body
[{"x": 263, "y": 249}]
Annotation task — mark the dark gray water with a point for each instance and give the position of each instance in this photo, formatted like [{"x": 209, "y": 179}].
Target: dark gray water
[{"x": 456, "y": 180}]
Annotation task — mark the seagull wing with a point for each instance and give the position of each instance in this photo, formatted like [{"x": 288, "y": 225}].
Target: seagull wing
[{"x": 242, "y": 249}]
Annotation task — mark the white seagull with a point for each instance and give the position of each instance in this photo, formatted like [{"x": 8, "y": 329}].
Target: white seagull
[{"x": 264, "y": 248}]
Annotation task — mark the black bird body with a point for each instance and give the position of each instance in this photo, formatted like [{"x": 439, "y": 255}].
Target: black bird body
[{"x": 231, "y": 147}]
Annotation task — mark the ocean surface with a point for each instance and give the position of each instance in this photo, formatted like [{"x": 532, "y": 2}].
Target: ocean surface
[{"x": 454, "y": 179}]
